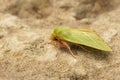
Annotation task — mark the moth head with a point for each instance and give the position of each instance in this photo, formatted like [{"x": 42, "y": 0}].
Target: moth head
[{"x": 53, "y": 36}]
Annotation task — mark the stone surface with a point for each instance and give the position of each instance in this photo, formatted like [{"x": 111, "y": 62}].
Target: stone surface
[{"x": 26, "y": 52}]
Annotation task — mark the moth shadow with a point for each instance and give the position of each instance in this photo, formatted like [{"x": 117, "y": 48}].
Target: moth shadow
[{"x": 90, "y": 52}]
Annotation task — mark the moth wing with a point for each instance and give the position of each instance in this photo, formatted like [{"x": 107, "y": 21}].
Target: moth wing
[{"x": 84, "y": 37}]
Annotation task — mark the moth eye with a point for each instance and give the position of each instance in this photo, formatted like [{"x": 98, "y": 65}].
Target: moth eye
[{"x": 55, "y": 39}]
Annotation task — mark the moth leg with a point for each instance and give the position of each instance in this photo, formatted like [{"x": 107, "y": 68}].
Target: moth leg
[
  {"x": 58, "y": 44},
  {"x": 51, "y": 42},
  {"x": 84, "y": 48},
  {"x": 68, "y": 47}
]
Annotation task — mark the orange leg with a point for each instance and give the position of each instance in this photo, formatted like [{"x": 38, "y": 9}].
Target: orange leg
[
  {"x": 58, "y": 44},
  {"x": 68, "y": 47},
  {"x": 84, "y": 48}
]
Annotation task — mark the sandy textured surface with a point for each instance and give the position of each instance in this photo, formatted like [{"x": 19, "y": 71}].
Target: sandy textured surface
[{"x": 27, "y": 54}]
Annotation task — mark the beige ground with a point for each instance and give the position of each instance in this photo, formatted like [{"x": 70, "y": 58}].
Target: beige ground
[{"x": 25, "y": 49}]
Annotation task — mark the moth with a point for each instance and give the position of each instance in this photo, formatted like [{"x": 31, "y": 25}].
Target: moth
[{"x": 64, "y": 35}]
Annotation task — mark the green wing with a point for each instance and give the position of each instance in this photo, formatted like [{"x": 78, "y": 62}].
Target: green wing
[{"x": 83, "y": 37}]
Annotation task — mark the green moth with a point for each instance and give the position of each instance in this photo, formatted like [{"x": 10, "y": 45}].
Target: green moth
[{"x": 64, "y": 35}]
